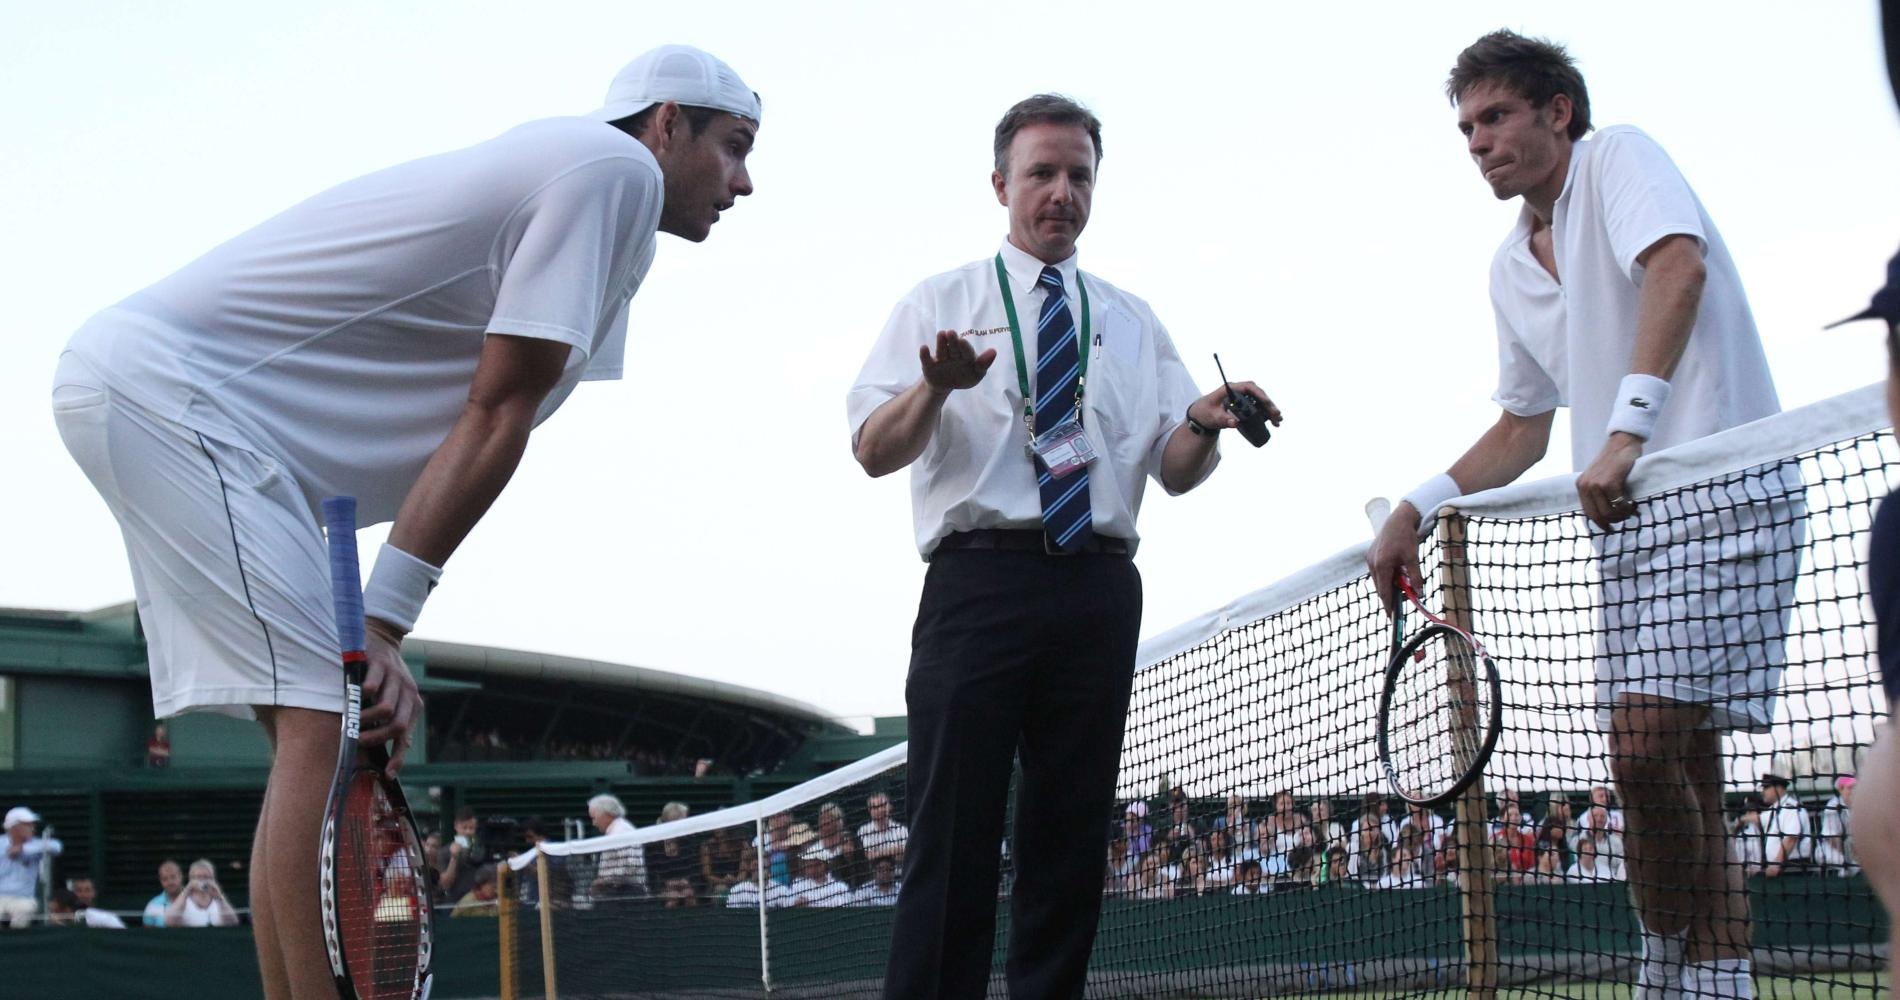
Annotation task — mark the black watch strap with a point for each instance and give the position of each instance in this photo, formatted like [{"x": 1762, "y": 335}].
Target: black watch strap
[{"x": 1200, "y": 429}]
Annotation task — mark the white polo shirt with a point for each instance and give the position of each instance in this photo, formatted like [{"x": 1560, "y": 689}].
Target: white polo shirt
[
  {"x": 871, "y": 838},
  {"x": 974, "y": 472},
  {"x": 831, "y": 892},
  {"x": 1786, "y": 819},
  {"x": 746, "y": 894},
  {"x": 871, "y": 895},
  {"x": 1568, "y": 341},
  {"x": 341, "y": 336}
]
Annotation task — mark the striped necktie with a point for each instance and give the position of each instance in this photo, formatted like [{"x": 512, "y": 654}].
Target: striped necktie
[{"x": 1065, "y": 502}]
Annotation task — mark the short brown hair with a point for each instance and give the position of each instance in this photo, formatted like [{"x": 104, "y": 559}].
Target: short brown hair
[
  {"x": 1536, "y": 69},
  {"x": 697, "y": 118},
  {"x": 1044, "y": 109}
]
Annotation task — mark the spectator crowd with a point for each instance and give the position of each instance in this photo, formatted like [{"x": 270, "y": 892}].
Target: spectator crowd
[
  {"x": 1179, "y": 847},
  {"x": 851, "y": 853},
  {"x": 834, "y": 860},
  {"x": 186, "y": 898},
  {"x": 493, "y": 743},
  {"x": 1554, "y": 841}
]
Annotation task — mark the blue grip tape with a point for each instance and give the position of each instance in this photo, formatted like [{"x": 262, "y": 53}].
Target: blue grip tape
[{"x": 346, "y": 580}]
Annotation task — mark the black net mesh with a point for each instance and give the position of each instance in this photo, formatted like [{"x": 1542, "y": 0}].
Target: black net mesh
[
  {"x": 1259, "y": 849},
  {"x": 685, "y": 916}
]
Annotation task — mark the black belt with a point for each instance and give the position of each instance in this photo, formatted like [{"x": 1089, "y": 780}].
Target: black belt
[{"x": 1028, "y": 540}]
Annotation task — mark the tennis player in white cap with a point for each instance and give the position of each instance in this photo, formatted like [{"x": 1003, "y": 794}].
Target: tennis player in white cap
[{"x": 395, "y": 338}]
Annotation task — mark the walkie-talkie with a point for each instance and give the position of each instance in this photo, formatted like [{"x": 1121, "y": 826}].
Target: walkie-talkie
[{"x": 1251, "y": 412}]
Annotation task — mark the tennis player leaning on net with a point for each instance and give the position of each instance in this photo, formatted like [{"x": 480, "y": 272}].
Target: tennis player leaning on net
[
  {"x": 1877, "y": 806},
  {"x": 396, "y": 339},
  {"x": 1615, "y": 296}
]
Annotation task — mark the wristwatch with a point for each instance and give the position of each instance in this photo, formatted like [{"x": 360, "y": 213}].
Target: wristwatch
[{"x": 1200, "y": 429}]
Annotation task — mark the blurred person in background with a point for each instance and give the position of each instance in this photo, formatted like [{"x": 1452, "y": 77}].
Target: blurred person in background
[
  {"x": 203, "y": 903},
  {"x": 883, "y": 888},
  {"x": 64, "y": 909},
  {"x": 1834, "y": 849},
  {"x": 20, "y": 861},
  {"x": 882, "y": 836},
  {"x": 171, "y": 883},
  {"x": 479, "y": 901}
]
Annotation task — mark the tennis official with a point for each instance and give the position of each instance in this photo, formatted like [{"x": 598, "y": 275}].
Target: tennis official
[
  {"x": 1615, "y": 296},
  {"x": 395, "y": 338},
  {"x": 1026, "y": 478}
]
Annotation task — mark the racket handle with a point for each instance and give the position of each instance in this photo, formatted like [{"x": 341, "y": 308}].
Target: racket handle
[
  {"x": 346, "y": 580},
  {"x": 1377, "y": 510}
]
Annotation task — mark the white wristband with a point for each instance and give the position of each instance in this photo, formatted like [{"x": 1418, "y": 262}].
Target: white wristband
[
  {"x": 1432, "y": 494},
  {"x": 1639, "y": 402},
  {"x": 398, "y": 586}
]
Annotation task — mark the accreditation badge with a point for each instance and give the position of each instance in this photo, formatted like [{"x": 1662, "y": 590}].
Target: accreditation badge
[{"x": 1064, "y": 448}]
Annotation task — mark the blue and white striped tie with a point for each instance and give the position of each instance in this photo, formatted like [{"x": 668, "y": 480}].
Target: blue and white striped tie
[{"x": 1066, "y": 518}]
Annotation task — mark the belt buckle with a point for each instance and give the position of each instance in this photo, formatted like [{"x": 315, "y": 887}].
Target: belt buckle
[{"x": 1049, "y": 547}]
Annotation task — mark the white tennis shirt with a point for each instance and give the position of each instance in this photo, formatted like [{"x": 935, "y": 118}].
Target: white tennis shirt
[
  {"x": 1568, "y": 341},
  {"x": 341, "y": 336},
  {"x": 975, "y": 473}
]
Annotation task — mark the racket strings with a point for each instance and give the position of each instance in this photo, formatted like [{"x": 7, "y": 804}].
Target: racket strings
[
  {"x": 381, "y": 893},
  {"x": 1437, "y": 716}
]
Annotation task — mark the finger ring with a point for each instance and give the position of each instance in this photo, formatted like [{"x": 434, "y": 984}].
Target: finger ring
[{"x": 1621, "y": 502}]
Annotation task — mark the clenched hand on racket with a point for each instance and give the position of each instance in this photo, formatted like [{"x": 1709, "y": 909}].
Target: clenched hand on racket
[
  {"x": 373, "y": 877},
  {"x": 1394, "y": 550},
  {"x": 391, "y": 700}
]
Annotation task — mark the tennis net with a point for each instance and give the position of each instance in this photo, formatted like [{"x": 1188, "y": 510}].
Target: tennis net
[{"x": 1258, "y": 849}]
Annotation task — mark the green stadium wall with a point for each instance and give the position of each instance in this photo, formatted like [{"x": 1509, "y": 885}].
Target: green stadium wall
[{"x": 1791, "y": 914}]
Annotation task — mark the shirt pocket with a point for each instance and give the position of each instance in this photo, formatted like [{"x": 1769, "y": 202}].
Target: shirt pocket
[{"x": 1120, "y": 399}]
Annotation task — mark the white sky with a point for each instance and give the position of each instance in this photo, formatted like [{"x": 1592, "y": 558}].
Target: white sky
[{"x": 1285, "y": 187}]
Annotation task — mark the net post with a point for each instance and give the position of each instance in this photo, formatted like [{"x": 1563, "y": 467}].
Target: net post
[
  {"x": 1475, "y": 887},
  {"x": 505, "y": 935},
  {"x": 765, "y": 947},
  {"x": 547, "y": 925}
]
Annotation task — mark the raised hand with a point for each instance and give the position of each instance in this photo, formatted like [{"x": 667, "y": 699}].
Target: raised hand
[{"x": 956, "y": 364}]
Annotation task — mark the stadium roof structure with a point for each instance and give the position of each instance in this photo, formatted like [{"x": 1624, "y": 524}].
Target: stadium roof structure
[
  {"x": 536, "y": 699},
  {"x": 526, "y": 665}
]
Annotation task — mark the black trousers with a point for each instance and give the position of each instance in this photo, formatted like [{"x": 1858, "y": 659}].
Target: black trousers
[{"x": 1014, "y": 654}]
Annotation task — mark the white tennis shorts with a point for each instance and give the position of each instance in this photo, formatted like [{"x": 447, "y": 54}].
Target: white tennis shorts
[
  {"x": 1697, "y": 596},
  {"x": 228, "y": 562}
]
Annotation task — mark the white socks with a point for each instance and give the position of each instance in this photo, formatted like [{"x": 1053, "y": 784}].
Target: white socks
[
  {"x": 1665, "y": 976},
  {"x": 1660, "y": 977},
  {"x": 1724, "y": 978}
]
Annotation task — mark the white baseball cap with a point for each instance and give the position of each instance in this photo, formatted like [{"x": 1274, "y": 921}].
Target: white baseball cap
[
  {"x": 18, "y": 815},
  {"x": 681, "y": 74}
]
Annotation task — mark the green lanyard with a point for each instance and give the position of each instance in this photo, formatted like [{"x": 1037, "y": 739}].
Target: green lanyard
[{"x": 1016, "y": 341}]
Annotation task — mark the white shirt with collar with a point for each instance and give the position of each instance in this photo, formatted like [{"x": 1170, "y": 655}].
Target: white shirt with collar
[
  {"x": 1567, "y": 341},
  {"x": 746, "y": 895},
  {"x": 872, "y": 895},
  {"x": 1788, "y": 818},
  {"x": 974, "y": 473},
  {"x": 341, "y": 335},
  {"x": 830, "y": 892},
  {"x": 894, "y": 834}
]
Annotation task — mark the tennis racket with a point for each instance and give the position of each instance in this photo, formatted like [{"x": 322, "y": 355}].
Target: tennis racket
[
  {"x": 373, "y": 877},
  {"x": 1441, "y": 704}
]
